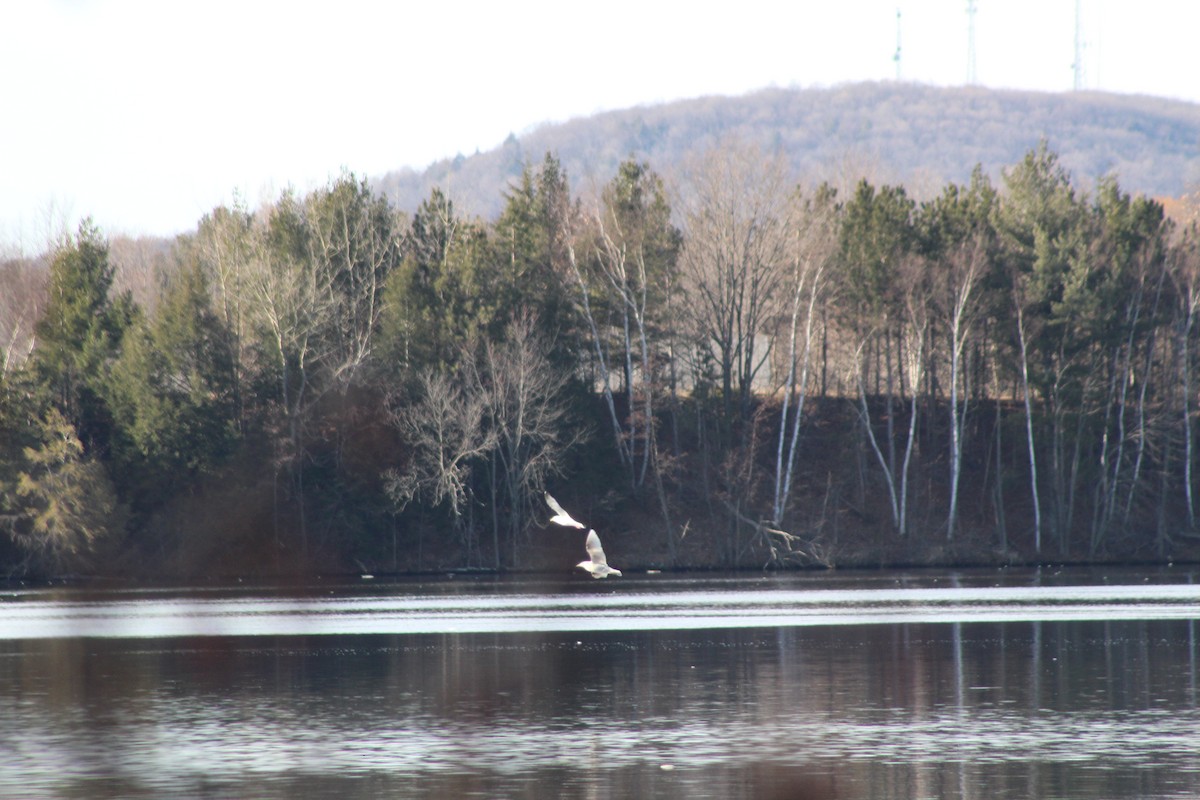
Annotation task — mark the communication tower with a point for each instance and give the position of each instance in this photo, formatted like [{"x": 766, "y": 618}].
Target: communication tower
[
  {"x": 971, "y": 77},
  {"x": 1077, "y": 67},
  {"x": 896, "y": 57}
]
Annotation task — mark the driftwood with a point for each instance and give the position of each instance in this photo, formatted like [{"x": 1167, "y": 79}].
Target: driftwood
[{"x": 781, "y": 544}]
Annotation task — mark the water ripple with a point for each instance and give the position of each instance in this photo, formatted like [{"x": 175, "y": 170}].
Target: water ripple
[{"x": 28, "y": 616}]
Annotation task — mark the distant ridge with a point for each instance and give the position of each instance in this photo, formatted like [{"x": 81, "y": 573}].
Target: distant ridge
[{"x": 919, "y": 136}]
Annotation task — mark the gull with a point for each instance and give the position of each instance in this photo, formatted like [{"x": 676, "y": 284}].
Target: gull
[
  {"x": 561, "y": 517},
  {"x": 597, "y": 564}
]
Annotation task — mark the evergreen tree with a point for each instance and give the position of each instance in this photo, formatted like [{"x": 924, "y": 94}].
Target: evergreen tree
[
  {"x": 441, "y": 295},
  {"x": 876, "y": 235},
  {"x": 22, "y": 402},
  {"x": 1043, "y": 229},
  {"x": 172, "y": 390},
  {"x": 69, "y": 505},
  {"x": 222, "y": 247},
  {"x": 530, "y": 258},
  {"x": 80, "y": 332}
]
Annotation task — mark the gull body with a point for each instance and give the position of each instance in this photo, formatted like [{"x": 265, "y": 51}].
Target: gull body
[
  {"x": 561, "y": 517},
  {"x": 596, "y": 564}
]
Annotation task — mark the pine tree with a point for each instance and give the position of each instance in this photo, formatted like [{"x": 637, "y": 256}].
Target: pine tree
[
  {"x": 440, "y": 295},
  {"x": 172, "y": 390},
  {"x": 80, "y": 332},
  {"x": 69, "y": 504}
]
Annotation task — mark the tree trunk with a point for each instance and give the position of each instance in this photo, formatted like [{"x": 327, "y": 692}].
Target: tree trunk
[{"x": 1033, "y": 476}]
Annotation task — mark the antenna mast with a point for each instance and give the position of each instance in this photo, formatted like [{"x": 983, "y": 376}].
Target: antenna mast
[
  {"x": 896, "y": 57},
  {"x": 1077, "y": 67},
  {"x": 971, "y": 77}
]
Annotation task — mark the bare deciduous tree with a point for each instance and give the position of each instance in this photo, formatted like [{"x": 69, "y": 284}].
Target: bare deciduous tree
[
  {"x": 526, "y": 414},
  {"x": 1186, "y": 274},
  {"x": 813, "y": 244},
  {"x": 733, "y": 259},
  {"x": 960, "y": 279},
  {"x": 223, "y": 245},
  {"x": 502, "y": 410},
  {"x": 353, "y": 248},
  {"x": 21, "y": 302},
  {"x": 138, "y": 267},
  {"x": 447, "y": 439},
  {"x": 291, "y": 312},
  {"x": 917, "y": 322}
]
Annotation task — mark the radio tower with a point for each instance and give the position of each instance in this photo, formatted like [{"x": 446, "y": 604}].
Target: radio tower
[
  {"x": 971, "y": 78},
  {"x": 896, "y": 57},
  {"x": 1077, "y": 67}
]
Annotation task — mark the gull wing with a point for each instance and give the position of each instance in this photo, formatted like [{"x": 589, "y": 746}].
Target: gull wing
[
  {"x": 561, "y": 517},
  {"x": 594, "y": 550}
]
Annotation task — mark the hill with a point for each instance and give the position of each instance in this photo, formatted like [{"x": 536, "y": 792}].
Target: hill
[{"x": 919, "y": 136}]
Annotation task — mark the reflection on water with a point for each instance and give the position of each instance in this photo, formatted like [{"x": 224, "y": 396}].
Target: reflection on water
[
  {"x": 1053, "y": 706},
  {"x": 521, "y": 607}
]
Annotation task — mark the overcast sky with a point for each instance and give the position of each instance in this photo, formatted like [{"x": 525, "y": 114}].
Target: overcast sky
[{"x": 146, "y": 115}]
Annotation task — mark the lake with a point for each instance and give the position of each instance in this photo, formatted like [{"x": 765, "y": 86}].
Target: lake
[{"x": 905, "y": 685}]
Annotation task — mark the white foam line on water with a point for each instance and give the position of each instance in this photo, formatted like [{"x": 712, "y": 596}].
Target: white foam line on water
[{"x": 638, "y": 610}]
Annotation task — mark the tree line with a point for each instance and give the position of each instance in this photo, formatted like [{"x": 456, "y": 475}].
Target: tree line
[{"x": 730, "y": 368}]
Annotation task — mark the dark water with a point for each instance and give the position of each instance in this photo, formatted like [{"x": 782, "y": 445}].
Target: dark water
[{"x": 867, "y": 686}]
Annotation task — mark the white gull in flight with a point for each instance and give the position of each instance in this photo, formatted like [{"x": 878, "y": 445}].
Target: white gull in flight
[{"x": 597, "y": 563}]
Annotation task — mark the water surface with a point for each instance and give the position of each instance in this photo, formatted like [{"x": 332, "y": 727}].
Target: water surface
[{"x": 913, "y": 686}]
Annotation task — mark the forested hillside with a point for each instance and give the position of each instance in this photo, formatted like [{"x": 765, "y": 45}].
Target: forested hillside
[
  {"x": 728, "y": 366},
  {"x": 919, "y": 136}
]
